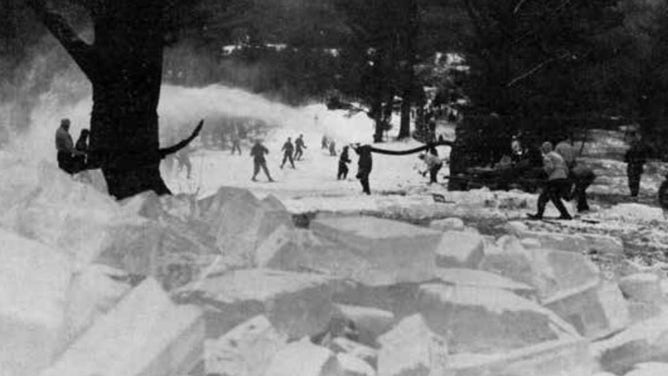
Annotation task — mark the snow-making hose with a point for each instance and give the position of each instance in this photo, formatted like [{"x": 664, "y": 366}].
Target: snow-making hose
[{"x": 411, "y": 151}]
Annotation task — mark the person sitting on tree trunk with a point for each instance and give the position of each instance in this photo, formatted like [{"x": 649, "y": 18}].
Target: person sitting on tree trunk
[
  {"x": 65, "y": 148},
  {"x": 344, "y": 159},
  {"x": 635, "y": 159},
  {"x": 259, "y": 162},
  {"x": 364, "y": 165},
  {"x": 300, "y": 146},
  {"x": 434, "y": 165},
  {"x": 288, "y": 149},
  {"x": 557, "y": 183}
]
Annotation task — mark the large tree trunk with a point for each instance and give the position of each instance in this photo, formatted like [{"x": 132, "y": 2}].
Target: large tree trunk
[{"x": 126, "y": 91}]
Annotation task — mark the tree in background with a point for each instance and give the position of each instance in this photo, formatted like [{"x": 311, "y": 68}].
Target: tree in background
[{"x": 537, "y": 66}]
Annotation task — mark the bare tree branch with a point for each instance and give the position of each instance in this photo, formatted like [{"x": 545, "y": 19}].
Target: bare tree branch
[
  {"x": 519, "y": 6},
  {"x": 81, "y": 52},
  {"x": 534, "y": 69},
  {"x": 174, "y": 148}
]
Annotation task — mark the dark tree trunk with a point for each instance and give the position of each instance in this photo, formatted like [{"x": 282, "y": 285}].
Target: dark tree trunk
[
  {"x": 408, "y": 36},
  {"x": 124, "y": 66},
  {"x": 126, "y": 91}
]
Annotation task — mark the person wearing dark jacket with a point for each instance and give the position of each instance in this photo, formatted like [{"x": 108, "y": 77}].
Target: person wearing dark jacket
[
  {"x": 288, "y": 149},
  {"x": 82, "y": 147},
  {"x": 635, "y": 159},
  {"x": 65, "y": 147},
  {"x": 299, "y": 146},
  {"x": 344, "y": 159},
  {"x": 364, "y": 165},
  {"x": 258, "y": 152}
]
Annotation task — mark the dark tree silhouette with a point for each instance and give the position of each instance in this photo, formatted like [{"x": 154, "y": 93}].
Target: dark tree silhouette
[{"x": 124, "y": 66}]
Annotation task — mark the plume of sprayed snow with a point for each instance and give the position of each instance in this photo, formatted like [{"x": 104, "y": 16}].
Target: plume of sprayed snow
[{"x": 181, "y": 108}]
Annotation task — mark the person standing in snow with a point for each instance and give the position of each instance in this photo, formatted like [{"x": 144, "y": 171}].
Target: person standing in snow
[
  {"x": 65, "y": 147},
  {"x": 300, "y": 146},
  {"x": 258, "y": 152},
  {"x": 635, "y": 159},
  {"x": 364, "y": 165},
  {"x": 288, "y": 149},
  {"x": 434, "y": 165},
  {"x": 324, "y": 143},
  {"x": 557, "y": 182},
  {"x": 582, "y": 177},
  {"x": 344, "y": 159},
  {"x": 183, "y": 160},
  {"x": 332, "y": 148},
  {"x": 567, "y": 151},
  {"x": 236, "y": 140}
]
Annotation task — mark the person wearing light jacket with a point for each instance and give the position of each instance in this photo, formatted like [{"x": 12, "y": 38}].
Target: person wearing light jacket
[
  {"x": 434, "y": 165},
  {"x": 557, "y": 183}
]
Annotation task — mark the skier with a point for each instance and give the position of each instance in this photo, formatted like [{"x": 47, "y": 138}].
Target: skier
[
  {"x": 299, "y": 146},
  {"x": 635, "y": 159},
  {"x": 332, "y": 148},
  {"x": 434, "y": 165},
  {"x": 582, "y": 177},
  {"x": 344, "y": 159},
  {"x": 324, "y": 143},
  {"x": 364, "y": 165},
  {"x": 567, "y": 151},
  {"x": 65, "y": 147},
  {"x": 288, "y": 149},
  {"x": 257, "y": 152},
  {"x": 183, "y": 160},
  {"x": 557, "y": 183},
  {"x": 82, "y": 147},
  {"x": 236, "y": 141}
]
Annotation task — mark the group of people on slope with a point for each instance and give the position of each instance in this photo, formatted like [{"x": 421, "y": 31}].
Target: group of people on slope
[
  {"x": 293, "y": 152},
  {"x": 72, "y": 158}
]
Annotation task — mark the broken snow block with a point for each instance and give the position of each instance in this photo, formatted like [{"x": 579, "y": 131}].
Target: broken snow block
[
  {"x": 353, "y": 366},
  {"x": 245, "y": 350},
  {"x": 400, "y": 299},
  {"x": 297, "y": 304},
  {"x": 645, "y": 341},
  {"x": 370, "y": 322},
  {"x": 358, "y": 350},
  {"x": 145, "y": 334},
  {"x": 280, "y": 250},
  {"x": 447, "y": 224},
  {"x": 303, "y": 358},
  {"x": 460, "y": 250},
  {"x": 488, "y": 321},
  {"x": 240, "y": 222},
  {"x": 568, "y": 356},
  {"x": 551, "y": 272},
  {"x": 483, "y": 279},
  {"x": 531, "y": 243},
  {"x": 147, "y": 247},
  {"x": 644, "y": 287},
  {"x": 34, "y": 280},
  {"x": 561, "y": 242},
  {"x": 595, "y": 310},
  {"x": 387, "y": 252},
  {"x": 93, "y": 292},
  {"x": 649, "y": 369},
  {"x": 644, "y": 295},
  {"x": 515, "y": 228},
  {"x": 411, "y": 348}
]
